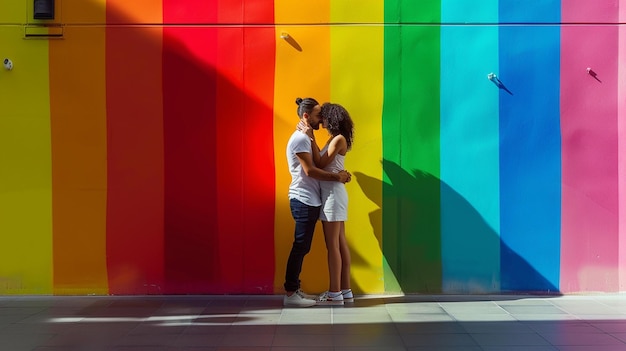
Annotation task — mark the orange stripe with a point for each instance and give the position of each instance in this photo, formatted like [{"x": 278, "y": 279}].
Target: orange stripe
[
  {"x": 134, "y": 12},
  {"x": 78, "y": 133},
  {"x": 302, "y": 69}
]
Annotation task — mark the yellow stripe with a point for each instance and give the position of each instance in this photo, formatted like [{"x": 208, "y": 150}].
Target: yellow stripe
[
  {"x": 13, "y": 12},
  {"x": 302, "y": 70},
  {"x": 25, "y": 179},
  {"x": 357, "y": 84}
]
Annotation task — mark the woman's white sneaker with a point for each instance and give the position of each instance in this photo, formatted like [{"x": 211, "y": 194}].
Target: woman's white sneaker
[
  {"x": 329, "y": 298},
  {"x": 347, "y": 295}
]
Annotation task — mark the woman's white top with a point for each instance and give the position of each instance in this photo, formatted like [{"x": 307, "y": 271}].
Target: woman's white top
[{"x": 334, "y": 194}]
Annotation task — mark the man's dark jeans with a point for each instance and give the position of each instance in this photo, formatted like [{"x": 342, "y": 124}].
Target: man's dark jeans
[{"x": 306, "y": 217}]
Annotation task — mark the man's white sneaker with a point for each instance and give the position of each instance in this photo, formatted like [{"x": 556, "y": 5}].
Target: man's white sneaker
[
  {"x": 327, "y": 299},
  {"x": 296, "y": 300},
  {"x": 305, "y": 295},
  {"x": 347, "y": 295}
]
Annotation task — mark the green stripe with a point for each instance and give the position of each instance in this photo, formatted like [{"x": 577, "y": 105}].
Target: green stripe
[{"x": 411, "y": 194}]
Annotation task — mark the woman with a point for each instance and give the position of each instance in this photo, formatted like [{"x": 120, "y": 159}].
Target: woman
[{"x": 336, "y": 120}]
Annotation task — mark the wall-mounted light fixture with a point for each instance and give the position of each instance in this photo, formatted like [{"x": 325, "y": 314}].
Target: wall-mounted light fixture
[
  {"x": 8, "y": 64},
  {"x": 593, "y": 74},
  {"x": 43, "y": 9},
  {"x": 289, "y": 39},
  {"x": 494, "y": 78}
]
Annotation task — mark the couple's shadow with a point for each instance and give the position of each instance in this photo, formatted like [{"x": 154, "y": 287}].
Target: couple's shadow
[{"x": 418, "y": 207}]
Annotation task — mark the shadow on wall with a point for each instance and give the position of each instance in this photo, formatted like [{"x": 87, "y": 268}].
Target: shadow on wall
[
  {"x": 218, "y": 230},
  {"x": 181, "y": 217},
  {"x": 414, "y": 248},
  {"x": 180, "y": 127}
]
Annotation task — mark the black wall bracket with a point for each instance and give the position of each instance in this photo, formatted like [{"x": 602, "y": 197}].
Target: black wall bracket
[{"x": 43, "y": 9}]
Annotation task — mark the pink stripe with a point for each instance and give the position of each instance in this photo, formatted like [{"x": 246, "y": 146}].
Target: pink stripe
[
  {"x": 585, "y": 11},
  {"x": 622, "y": 144},
  {"x": 590, "y": 238}
]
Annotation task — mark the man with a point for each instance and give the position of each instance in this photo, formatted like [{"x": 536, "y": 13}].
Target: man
[{"x": 304, "y": 198}]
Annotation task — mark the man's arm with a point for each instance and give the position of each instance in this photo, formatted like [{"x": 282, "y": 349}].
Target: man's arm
[{"x": 312, "y": 171}]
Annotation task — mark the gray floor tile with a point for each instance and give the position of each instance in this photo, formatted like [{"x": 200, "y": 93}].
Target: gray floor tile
[
  {"x": 438, "y": 340},
  {"x": 412, "y": 322},
  {"x": 567, "y": 338},
  {"x": 510, "y": 339}
]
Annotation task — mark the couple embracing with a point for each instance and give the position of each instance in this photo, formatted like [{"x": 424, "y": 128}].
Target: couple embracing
[{"x": 317, "y": 192}]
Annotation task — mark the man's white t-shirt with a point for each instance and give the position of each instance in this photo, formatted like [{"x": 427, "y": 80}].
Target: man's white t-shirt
[{"x": 302, "y": 188}]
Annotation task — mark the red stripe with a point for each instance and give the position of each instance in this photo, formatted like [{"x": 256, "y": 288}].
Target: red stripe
[
  {"x": 258, "y": 153},
  {"x": 245, "y": 151},
  {"x": 245, "y": 67},
  {"x": 189, "y": 87},
  {"x": 229, "y": 151},
  {"x": 190, "y": 11},
  {"x": 135, "y": 159},
  {"x": 260, "y": 12},
  {"x": 218, "y": 150}
]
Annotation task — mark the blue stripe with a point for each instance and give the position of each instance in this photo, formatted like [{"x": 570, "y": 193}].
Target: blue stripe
[
  {"x": 530, "y": 151},
  {"x": 530, "y": 11}
]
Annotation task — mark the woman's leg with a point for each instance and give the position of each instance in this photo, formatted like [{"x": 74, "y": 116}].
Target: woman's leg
[
  {"x": 331, "y": 236},
  {"x": 345, "y": 257}
]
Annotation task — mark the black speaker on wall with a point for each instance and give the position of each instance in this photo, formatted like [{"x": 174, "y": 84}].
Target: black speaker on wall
[{"x": 43, "y": 9}]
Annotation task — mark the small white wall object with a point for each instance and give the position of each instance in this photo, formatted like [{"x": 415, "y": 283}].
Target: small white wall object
[
  {"x": 593, "y": 74},
  {"x": 8, "y": 64}
]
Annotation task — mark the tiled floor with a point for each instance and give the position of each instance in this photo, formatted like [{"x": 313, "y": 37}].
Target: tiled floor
[{"x": 417, "y": 322}]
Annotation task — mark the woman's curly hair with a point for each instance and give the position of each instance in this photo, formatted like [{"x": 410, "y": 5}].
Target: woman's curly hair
[{"x": 338, "y": 121}]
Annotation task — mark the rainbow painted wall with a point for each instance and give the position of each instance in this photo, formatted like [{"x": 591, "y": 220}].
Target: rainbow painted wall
[{"x": 143, "y": 144}]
